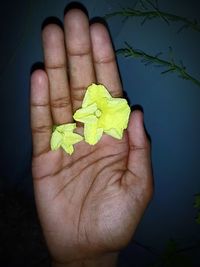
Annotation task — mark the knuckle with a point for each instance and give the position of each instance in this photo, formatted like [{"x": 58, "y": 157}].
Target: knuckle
[
  {"x": 78, "y": 93},
  {"x": 115, "y": 94},
  {"x": 42, "y": 129},
  {"x": 60, "y": 102}
]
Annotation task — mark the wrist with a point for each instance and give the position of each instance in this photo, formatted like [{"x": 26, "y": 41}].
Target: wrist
[{"x": 107, "y": 260}]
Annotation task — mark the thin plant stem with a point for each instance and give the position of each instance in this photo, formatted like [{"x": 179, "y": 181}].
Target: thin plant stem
[
  {"x": 170, "y": 66},
  {"x": 156, "y": 13}
]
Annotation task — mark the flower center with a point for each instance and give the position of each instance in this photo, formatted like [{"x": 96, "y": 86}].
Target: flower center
[{"x": 98, "y": 113}]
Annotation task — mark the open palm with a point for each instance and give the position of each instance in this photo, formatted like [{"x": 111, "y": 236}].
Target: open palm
[{"x": 91, "y": 202}]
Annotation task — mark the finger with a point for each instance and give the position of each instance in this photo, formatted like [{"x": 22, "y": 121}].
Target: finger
[
  {"x": 56, "y": 67},
  {"x": 41, "y": 122},
  {"x": 104, "y": 60},
  {"x": 79, "y": 54},
  {"x": 139, "y": 162}
]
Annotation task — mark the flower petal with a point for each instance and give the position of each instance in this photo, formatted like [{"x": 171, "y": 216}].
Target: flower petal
[
  {"x": 115, "y": 133},
  {"x": 116, "y": 115},
  {"x": 68, "y": 127},
  {"x": 71, "y": 138},
  {"x": 56, "y": 140},
  {"x": 86, "y": 114},
  {"x": 69, "y": 149},
  {"x": 92, "y": 134},
  {"x": 94, "y": 94}
]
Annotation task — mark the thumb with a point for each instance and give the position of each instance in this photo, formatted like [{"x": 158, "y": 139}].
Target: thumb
[{"x": 139, "y": 161}]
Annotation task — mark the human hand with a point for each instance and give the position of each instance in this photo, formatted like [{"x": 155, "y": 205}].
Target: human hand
[{"x": 91, "y": 202}]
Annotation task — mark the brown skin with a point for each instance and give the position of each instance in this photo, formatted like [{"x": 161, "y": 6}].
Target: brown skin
[{"x": 90, "y": 203}]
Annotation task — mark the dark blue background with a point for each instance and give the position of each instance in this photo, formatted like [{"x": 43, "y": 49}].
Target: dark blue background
[{"x": 171, "y": 107}]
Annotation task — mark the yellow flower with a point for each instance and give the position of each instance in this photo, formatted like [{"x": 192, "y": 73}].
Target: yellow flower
[
  {"x": 101, "y": 113},
  {"x": 64, "y": 137}
]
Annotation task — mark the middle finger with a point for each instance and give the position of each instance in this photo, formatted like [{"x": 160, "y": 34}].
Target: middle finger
[{"x": 79, "y": 55}]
